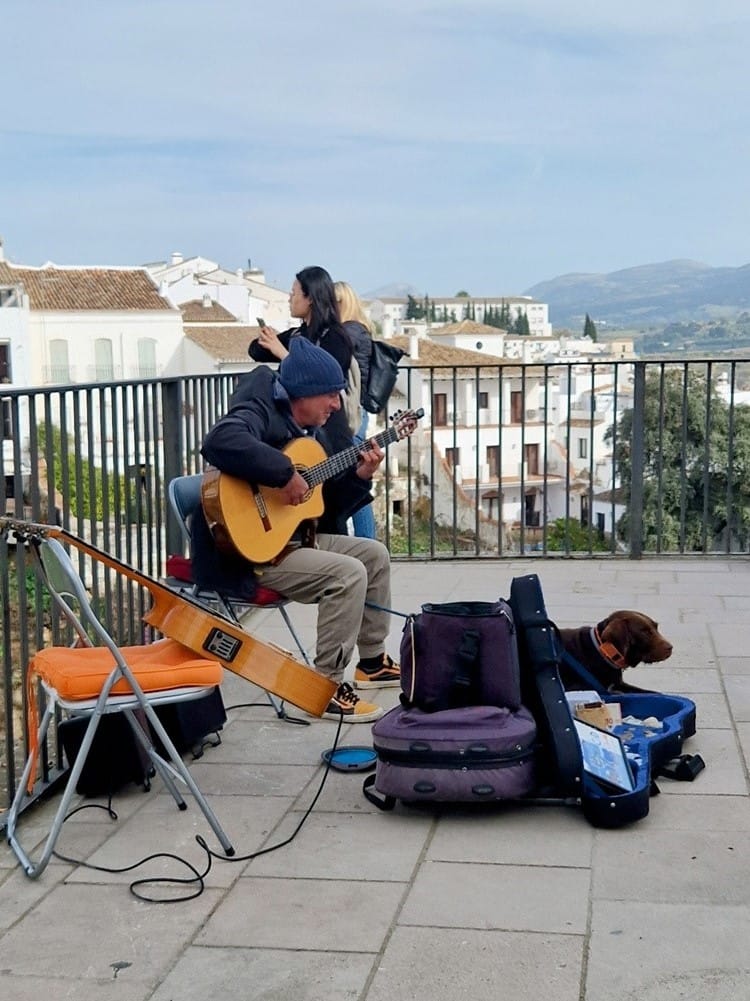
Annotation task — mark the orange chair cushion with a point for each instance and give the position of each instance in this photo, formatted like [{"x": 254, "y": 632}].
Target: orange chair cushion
[{"x": 80, "y": 672}]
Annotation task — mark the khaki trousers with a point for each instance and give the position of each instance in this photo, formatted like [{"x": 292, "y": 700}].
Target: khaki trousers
[{"x": 339, "y": 575}]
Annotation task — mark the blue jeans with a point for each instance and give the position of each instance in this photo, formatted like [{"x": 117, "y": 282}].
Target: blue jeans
[{"x": 364, "y": 520}]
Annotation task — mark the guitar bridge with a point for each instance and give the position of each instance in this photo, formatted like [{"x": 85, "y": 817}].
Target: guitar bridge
[{"x": 222, "y": 645}]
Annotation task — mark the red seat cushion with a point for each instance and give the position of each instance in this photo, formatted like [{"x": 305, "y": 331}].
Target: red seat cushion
[
  {"x": 266, "y": 596},
  {"x": 181, "y": 569}
]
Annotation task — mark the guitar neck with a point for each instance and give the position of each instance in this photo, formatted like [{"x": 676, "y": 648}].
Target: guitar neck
[
  {"x": 30, "y": 530},
  {"x": 345, "y": 459}
]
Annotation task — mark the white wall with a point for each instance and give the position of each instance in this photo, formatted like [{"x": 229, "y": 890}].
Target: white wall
[
  {"x": 80, "y": 330},
  {"x": 14, "y": 330}
]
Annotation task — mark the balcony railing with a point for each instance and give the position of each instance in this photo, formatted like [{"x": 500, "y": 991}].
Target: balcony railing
[{"x": 666, "y": 473}]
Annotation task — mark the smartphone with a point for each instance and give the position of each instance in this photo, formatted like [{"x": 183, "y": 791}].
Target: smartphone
[{"x": 260, "y": 321}]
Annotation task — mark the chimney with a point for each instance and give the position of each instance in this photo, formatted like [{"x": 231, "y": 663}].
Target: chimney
[
  {"x": 414, "y": 346},
  {"x": 206, "y": 300},
  {"x": 176, "y": 257}
]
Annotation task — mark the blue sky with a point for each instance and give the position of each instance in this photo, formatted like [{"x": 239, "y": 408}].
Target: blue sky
[{"x": 483, "y": 145}]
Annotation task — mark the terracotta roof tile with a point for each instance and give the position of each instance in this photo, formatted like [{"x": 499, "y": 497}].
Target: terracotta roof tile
[
  {"x": 443, "y": 354},
  {"x": 224, "y": 344},
  {"x": 53, "y": 288},
  {"x": 472, "y": 327},
  {"x": 196, "y": 312}
]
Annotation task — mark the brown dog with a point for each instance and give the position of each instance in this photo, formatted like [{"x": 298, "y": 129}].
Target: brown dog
[{"x": 624, "y": 639}]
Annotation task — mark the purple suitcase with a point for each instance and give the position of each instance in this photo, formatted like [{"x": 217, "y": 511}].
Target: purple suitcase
[
  {"x": 462, "y": 653},
  {"x": 469, "y": 755}
]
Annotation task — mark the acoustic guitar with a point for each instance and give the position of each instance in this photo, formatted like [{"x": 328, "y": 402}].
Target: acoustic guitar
[
  {"x": 185, "y": 620},
  {"x": 255, "y": 521}
]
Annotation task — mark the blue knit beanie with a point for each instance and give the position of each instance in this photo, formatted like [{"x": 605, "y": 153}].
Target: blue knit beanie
[{"x": 309, "y": 370}]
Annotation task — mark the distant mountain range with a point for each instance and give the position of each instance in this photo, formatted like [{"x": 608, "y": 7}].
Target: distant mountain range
[
  {"x": 650, "y": 295},
  {"x": 647, "y": 296}
]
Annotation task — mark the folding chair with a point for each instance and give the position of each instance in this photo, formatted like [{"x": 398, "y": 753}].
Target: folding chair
[
  {"x": 93, "y": 679},
  {"x": 184, "y": 498}
]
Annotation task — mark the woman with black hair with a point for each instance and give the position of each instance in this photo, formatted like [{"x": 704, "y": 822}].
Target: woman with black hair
[{"x": 313, "y": 301}]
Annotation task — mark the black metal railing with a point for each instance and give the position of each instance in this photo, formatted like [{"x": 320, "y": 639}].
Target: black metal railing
[{"x": 587, "y": 459}]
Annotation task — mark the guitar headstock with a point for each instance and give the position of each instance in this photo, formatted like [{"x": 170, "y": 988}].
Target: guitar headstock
[
  {"x": 405, "y": 421},
  {"x": 24, "y": 530}
]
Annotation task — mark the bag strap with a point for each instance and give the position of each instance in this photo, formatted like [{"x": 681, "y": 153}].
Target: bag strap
[
  {"x": 578, "y": 668},
  {"x": 465, "y": 677},
  {"x": 382, "y": 803}
]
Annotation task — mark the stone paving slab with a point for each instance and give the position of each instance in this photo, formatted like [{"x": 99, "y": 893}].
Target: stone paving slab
[
  {"x": 668, "y": 952},
  {"x": 423, "y": 964},
  {"x": 85, "y": 931},
  {"x": 358, "y": 847},
  {"x": 336, "y": 915},
  {"x": 507, "y": 897},
  {"x": 237, "y": 974},
  {"x": 522, "y": 835}
]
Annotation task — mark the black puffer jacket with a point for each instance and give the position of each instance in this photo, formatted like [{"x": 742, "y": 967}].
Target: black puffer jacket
[
  {"x": 336, "y": 341},
  {"x": 247, "y": 443}
]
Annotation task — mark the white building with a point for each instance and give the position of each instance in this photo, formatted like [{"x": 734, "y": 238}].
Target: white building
[
  {"x": 83, "y": 325},
  {"x": 244, "y": 293},
  {"x": 72, "y": 327},
  {"x": 526, "y": 445}
]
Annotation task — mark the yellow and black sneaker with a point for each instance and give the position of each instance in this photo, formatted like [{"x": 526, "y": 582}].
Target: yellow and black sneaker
[
  {"x": 377, "y": 672},
  {"x": 348, "y": 704}
]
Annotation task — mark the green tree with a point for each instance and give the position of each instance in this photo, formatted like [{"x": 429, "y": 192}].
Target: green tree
[
  {"x": 687, "y": 473},
  {"x": 463, "y": 294},
  {"x": 413, "y": 309},
  {"x": 90, "y": 501},
  {"x": 504, "y": 320},
  {"x": 566, "y": 535},
  {"x": 589, "y": 328},
  {"x": 521, "y": 326}
]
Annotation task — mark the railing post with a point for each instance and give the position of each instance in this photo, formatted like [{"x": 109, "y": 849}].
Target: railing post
[
  {"x": 174, "y": 441},
  {"x": 637, "y": 460}
]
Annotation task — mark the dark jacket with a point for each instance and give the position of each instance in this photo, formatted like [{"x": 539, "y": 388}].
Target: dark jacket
[
  {"x": 247, "y": 443},
  {"x": 361, "y": 345},
  {"x": 334, "y": 340}
]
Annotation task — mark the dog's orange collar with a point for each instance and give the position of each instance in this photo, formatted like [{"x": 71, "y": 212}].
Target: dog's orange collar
[{"x": 608, "y": 650}]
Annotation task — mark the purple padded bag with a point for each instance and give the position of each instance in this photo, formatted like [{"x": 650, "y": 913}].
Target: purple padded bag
[
  {"x": 461, "y": 653},
  {"x": 470, "y": 755}
]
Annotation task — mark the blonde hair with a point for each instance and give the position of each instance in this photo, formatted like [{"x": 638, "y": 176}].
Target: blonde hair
[{"x": 350, "y": 307}]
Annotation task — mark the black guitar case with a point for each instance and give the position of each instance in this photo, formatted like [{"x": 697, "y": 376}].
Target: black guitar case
[{"x": 561, "y": 772}]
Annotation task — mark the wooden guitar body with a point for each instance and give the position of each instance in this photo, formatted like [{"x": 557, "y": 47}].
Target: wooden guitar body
[{"x": 261, "y": 522}]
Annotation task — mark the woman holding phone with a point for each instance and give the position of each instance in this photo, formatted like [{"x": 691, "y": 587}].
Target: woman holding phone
[{"x": 312, "y": 300}]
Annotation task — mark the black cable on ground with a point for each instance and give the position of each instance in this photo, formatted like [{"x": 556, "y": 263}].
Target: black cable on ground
[{"x": 196, "y": 877}]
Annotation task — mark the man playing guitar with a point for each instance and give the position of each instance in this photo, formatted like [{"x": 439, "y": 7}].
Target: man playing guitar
[{"x": 319, "y": 564}]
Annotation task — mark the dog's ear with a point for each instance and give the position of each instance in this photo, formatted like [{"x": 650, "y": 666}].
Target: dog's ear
[{"x": 621, "y": 631}]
